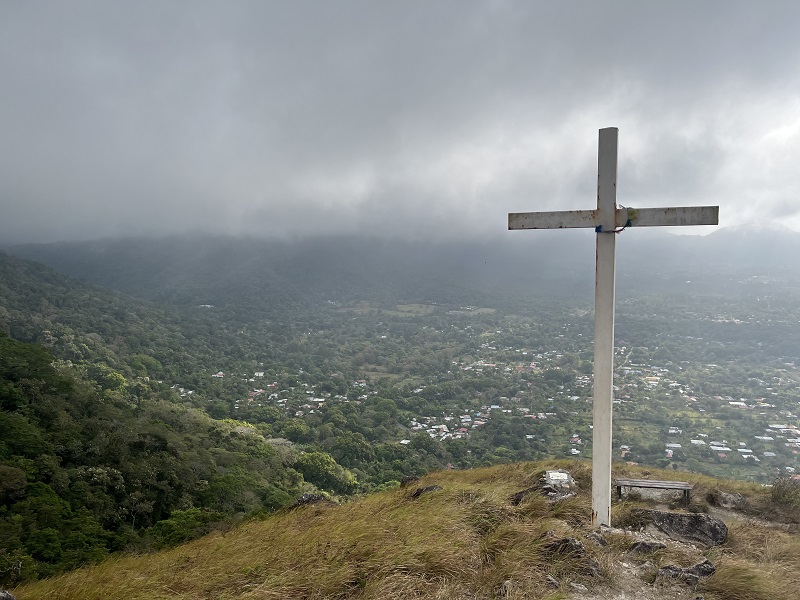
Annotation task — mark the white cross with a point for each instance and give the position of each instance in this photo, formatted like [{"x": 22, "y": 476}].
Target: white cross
[{"x": 608, "y": 220}]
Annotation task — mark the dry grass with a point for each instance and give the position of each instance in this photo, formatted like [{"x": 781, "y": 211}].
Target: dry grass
[
  {"x": 739, "y": 580},
  {"x": 465, "y": 541},
  {"x": 759, "y": 560}
]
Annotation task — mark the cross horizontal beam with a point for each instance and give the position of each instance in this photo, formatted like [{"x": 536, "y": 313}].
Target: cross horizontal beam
[{"x": 641, "y": 217}]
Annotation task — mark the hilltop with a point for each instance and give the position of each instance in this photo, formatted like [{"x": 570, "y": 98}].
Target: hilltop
[{"x": 462, "y": 534}]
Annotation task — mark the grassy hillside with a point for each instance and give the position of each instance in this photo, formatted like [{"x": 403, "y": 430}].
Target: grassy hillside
[{"x": 465, "y": 540}]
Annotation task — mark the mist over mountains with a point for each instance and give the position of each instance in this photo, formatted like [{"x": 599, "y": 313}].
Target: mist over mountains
[{"x": 225, "y": 271}]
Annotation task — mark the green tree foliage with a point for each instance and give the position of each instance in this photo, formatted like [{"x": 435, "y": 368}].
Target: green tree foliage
[
  {"x": 296, "y": 430},
  {"x": 182, "y": 526},
  {"x": 352, "y": 450},
  {"x": 322, "y": 470}
]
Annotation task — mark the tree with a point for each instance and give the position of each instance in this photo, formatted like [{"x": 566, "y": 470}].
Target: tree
[
  {"x": 296, "y": 430},
  {"x": 183, "y": 525},
  {"x": 352, "y": 449},
  {"x": 322, "y": 470},
  {"x": 12, "y": 484}
]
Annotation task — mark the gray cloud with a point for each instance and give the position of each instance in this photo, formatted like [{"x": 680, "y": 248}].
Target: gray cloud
[{"x": 414, "y": 118}]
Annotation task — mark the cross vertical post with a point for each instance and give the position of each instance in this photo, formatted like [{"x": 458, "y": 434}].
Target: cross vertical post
[
  {"x": 608, "y": 220},
  {"x": 604, "y": 326}
]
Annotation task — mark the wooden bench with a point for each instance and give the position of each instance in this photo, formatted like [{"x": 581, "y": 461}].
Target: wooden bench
[{"x": 655, "y": 484}]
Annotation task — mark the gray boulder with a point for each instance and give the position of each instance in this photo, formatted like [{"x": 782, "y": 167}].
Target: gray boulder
[
  {"x": 561, "y": 480},
  {"x": 690, "y": 576},
  {"x": 558, "y": 485},
  {"x": 645, "y": 547},
  {"x": 568, "y": 546},
  {"x": 726, "y": 500},
  {"x": 303, "y": 500},
  {"x": 685, "y": 527},
  {"x": 573, "y": 547},
  {"x": 671, "y": 573},
  {"x": 4, "y": 595},
  {"x": 703, "y": 569},
  {"x": 597, "y": 538},
  {"x": 555, "y": 485}
]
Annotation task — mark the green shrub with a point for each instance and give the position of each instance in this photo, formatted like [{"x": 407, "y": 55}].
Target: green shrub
[{"x": 182, "y": 526}]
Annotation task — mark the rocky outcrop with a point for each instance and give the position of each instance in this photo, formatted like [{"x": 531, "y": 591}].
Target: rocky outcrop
[
  {"x": 573, "y": 547},
  {"x": 685, "y": 527},
  {"x": 703, "y": 569},
  {"x": 578, "y": 587},
  {"x": 645, "y": 547},
  {"x": 597, "y": 538},
  {"x": 569, "y": 546},
  {"x": 726, "y": 500},
  {"x": 555, "y": 485},
  {"x": 690, "y": 576},
  {"x": 4, "y": 595},
  {"x": 305, "y": 500},
  {"x": 558, "y": 486}
]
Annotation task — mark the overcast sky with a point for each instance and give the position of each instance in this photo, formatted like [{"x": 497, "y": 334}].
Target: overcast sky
[{"x": 413, "y": 118}]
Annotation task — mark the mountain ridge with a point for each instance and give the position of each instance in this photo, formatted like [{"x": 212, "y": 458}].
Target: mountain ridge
[{"x": 224, "y": 270}]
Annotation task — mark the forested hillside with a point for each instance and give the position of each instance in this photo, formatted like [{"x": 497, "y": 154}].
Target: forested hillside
[
  {"x": 102, "y": 448},
  {"x": 87, "y": 468}
]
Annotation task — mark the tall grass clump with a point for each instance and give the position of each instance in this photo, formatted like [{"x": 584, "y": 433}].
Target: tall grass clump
[
  {"x": 738, "y": 580},
  {"x": 785, "y": 492}
]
